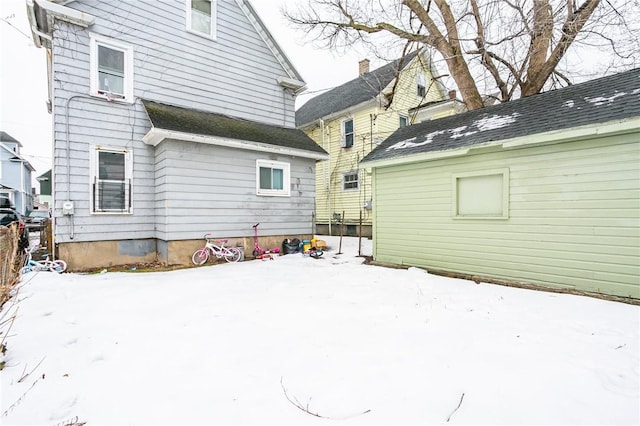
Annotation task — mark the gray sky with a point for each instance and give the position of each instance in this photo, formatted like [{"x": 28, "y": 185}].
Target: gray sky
[{"x": 23, "y": 74}]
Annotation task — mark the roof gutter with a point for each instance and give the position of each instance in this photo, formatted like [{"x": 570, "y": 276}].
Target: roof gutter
[
  {"x": 53, "y": 11},
  {"x": 156, "y": 135}
]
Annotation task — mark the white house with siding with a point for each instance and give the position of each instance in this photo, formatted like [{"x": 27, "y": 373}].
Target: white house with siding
[
  {"x": 15, "y": 174},
  {"x": 542, "y": 191},
  {"x": 172, "y": 119}
]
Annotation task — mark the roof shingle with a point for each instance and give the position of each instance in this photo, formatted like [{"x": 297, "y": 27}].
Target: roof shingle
[
  {"x": 169, "y": 117},
  {"x": 365, "y": 87},
  {"x": 602, "y": 100}
]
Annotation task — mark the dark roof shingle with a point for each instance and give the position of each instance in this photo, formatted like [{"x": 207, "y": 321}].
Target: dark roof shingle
[
  {"x": 605, "y": 99},
  {"x": 354, "y": 92},
  {"x": 169, "y": 117}
]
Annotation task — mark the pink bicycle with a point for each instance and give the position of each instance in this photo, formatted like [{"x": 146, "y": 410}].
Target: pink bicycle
[{"x": 229, "y": 253}]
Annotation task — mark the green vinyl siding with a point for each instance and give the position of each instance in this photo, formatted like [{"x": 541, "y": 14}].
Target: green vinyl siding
[{"x": 574, "y": 216}]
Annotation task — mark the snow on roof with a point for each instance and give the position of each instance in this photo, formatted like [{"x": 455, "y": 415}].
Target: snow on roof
[{"x": 480, "y": 125}]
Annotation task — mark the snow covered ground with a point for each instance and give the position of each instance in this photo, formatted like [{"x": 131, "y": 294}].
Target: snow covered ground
[{"x": 303, "y": 341}]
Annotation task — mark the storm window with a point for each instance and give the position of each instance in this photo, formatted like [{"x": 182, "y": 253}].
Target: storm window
[
  {"x": 111, "y": 181},
  {"x": 111, "y": 66}
]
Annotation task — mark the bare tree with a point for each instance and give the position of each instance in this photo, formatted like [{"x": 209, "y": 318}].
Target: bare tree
[{"x": 506, "y": 48}]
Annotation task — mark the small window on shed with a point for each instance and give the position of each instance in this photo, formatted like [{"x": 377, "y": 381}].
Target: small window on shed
[{"x": 481, "y": 195}]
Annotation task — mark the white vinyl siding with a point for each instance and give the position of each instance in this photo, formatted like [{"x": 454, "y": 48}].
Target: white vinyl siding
[
  {"x": 111, "y": 65},
  {"x": 156, "y": 32}
]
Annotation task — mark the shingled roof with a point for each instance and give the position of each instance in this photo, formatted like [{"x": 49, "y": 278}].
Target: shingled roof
[
  {"x": 606, "y": 99},
  {"x": 5, "y": 137},
  {"x": 365, "y": 87},
  {"x": 173, "y": 118}
]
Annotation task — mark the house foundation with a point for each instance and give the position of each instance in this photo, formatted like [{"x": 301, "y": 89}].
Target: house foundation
[{"x": 90, "y": 255}]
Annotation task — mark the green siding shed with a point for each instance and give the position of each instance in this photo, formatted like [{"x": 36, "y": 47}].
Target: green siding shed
[{"x": 541, "y": 191}]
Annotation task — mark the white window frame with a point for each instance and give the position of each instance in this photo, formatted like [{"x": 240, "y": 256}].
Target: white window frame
[
  {"x": 456, "y": 177},
  {"x": 355, "y": 173},
  {"x": 214, "y": 14},
  {"x": 405, "y": 118},
  {"x": 95, "y": 41},
  {"x": 286, "y": 178},
  {"x": 344, "y": 133},
  {"x": 93, "y": 177}
]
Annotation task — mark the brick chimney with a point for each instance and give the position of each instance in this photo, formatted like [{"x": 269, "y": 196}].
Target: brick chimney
[
  {"x": 363, "y": 66},
  {"x": 452, "y": 94}
]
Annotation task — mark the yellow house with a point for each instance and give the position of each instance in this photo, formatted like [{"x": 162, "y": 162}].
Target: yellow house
[{"x": 352, "y": 119}]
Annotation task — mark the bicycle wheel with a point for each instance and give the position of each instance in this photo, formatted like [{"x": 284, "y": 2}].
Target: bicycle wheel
[
  {"x": 200, "y": 256},
  {"x": 233, "y": 254},
  {"x": 58, "y": 266}
]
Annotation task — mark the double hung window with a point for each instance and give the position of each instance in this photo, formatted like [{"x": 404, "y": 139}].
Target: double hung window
[
  {"x": 111, "y": 180},
  {"x": 201, "y": 17},
  {"x": 350, "y": 181},
  {"x": 347, "y": 133},
  {"x": 111, "y": 64}
]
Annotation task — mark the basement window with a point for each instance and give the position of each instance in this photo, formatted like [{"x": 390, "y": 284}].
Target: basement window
[{"x": 481, "y": 195}]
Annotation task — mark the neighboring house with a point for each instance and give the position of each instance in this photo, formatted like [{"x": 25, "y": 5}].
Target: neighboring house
[
  {"x": 542, "y": 190},
  {"x": 176, "y": 119},
  {"x": 15, "y": 174},
  {"x": 44, "y": 196},
  {"x": 350, "y": 120}
]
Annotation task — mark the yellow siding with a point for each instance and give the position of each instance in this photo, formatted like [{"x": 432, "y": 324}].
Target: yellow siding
[
  {"x": 372, "y": 124},
  {"x": 574, "y": 217}
]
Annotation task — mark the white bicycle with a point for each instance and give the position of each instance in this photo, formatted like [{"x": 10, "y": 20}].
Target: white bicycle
[
  {"x": 229, "y": 253},
  {"x": 58, "y": 265}
]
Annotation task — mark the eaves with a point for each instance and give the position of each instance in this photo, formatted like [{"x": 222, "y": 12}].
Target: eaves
[{"x": 155, "y": 136}]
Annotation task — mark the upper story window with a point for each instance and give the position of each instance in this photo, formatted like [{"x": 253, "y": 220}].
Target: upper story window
[
  {"x": 347, "y": 133},
  {"x": 111, "y": 64},
  {"x": 404, "y": 121},
  {"x": 201, "y": 17},
  {"x": 421, "y": 81},
  {"x": 111, "y": 180},
  {"x": 273, "y": 178}
]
